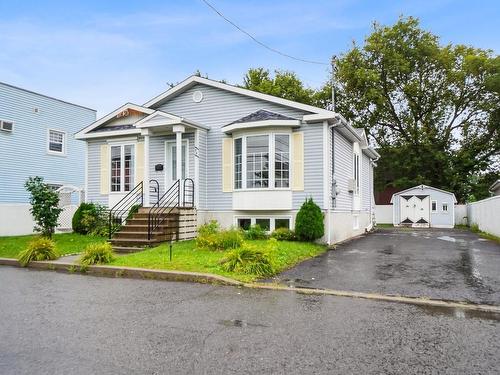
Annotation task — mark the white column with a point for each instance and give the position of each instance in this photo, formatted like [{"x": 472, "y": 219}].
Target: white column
[
  {"x": 145, "y": 183},
  {"x": 196, "y": 167}
]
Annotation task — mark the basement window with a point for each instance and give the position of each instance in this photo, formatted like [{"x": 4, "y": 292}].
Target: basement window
[{"x": 269, "y": 224}]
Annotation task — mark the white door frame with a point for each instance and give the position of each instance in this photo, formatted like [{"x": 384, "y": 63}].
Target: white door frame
[{"x": 168, "y": 161}]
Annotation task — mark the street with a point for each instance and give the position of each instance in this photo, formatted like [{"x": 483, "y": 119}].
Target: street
[{"x": 55, "y": 323}]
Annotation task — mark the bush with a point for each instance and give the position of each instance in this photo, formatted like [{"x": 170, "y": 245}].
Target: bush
[
  {"x": 97, "y": 253},
  {"x": 249, "y": 260},
  {"x": 283, "y": 234},
  {"x": 210, "y": 228},
  {"x": 309, "y": 222},
  {"x": 91, "y": 218},
  {"x": 44, "y": 205},
  {"x": 222, "y": 240},
  {"x": 255, "y": 232},
  {"x": 38, "y": 249}
]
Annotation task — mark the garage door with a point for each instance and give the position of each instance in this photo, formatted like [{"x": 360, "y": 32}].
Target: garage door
[{"x": 415, "y": 210}]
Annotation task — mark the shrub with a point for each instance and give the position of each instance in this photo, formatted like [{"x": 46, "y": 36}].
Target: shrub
[
  {"x": 91, "y": 218},
  {"x": 309, "y": 222},
  {"x": 38, "y": 249},
  {"x": 133, "y": 210},
  {"x": 249, "y": 260},
  {"x": 44, "y": 205},
  {"x": 283, "y": 234},
  {"x": 255, "y": 232},
  {"x": 210, "y": 228},
  {"x": 222, "y": 240},
  {"x": 97, "y": 253}
]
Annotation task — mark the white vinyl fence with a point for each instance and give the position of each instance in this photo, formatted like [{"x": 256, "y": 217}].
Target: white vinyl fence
[
  {"x": 486, "y": 214},
  {"x": 383, "y": 214}
]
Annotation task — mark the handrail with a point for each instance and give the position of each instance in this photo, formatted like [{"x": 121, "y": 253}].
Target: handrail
[
  {"x": 123, "y": 207},
  {"x": 168, "y": 202},
  {"x": 157, "y": 188}
]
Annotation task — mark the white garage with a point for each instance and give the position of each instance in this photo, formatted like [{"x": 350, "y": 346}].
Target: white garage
[{"x": 424, "y": 206}]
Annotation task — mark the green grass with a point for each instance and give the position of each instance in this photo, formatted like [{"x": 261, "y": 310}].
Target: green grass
[
  {"x": 480, "y": 233},
  {"x": 385, "y": 226},
  {"x": 66, "y": 243},
  {"x": 187, "y": 258}
]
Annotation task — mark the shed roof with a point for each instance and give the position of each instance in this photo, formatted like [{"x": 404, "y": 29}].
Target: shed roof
[{"x": 424, "y": 187}]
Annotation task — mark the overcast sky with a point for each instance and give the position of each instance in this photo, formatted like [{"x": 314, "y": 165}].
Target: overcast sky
[{"x": 101, "y": 54}]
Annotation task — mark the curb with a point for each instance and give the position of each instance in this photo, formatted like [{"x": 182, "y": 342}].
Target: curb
[{"x": 207, "y": 278}]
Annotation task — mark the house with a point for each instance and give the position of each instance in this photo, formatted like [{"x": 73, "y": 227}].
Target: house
[
  {"x": 424, "y": 206},
  {"x": 245, "y": 157},
  {"x": 36, "y": 139},
  {"x": 495, "y": 188}
]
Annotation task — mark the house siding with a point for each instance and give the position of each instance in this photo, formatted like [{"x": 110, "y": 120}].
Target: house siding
[
  {"x": 23, "y": 152},
  {"x": 219, "y": 108},
  {"x": 366, "y": 189},
  {"x": 343, "y": 151}
]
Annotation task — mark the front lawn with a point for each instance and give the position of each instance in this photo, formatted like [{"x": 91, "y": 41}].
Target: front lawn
[
  {"x": 187, "y": 258},
  {"x": 66, "y": 243}
]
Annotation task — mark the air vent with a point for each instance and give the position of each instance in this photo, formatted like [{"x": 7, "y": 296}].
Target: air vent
[
  {"x": 6, "y": 126},
  {"x": 197, "y": 96},
  {"x": 36, "y": 110}
]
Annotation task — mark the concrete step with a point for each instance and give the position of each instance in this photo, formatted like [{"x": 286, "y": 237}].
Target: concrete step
[
  {"x": 127, "y": 249},
  {"x": 129, "y": 242}
]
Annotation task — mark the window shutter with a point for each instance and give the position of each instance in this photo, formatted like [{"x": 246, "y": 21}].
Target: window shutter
[
  {"x": 227, "y": 165},
  {"x": 139, "y": 162},
  {"x": 298, "y": 161},
  {"x": 105, "y": 176}
]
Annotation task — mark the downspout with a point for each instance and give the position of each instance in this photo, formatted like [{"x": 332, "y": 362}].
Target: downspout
[{"x": 332, "y": 158}]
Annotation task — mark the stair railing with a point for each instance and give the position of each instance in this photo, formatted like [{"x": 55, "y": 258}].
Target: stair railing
[
  {"x": 188, "y": 193},
  {"x": 156, "y": 189},
  {"x": 158, "y": 212},
  {"x": 120, "y": 211}
]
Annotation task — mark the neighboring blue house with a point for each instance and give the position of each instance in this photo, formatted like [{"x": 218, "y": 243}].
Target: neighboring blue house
[{"x": 36, "y": 139}]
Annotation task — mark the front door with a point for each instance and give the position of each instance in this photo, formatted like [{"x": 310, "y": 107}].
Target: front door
[{"x": 171, "y": 174}]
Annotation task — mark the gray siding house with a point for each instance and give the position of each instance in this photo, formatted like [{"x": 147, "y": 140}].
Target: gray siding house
[
  {"x": 254, "y": 158},
  {"x": 36, "y": 139},
  {"x": 424, "y": 206}
]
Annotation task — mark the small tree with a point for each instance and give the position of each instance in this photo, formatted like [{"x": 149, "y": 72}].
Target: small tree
[
  {"x": 44, "y": 205},
  {"x": 309, "y": 221}
]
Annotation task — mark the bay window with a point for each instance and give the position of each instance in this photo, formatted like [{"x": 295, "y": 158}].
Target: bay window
[
  {"x": 262, "y": 161},
  {"x": 122, "y": 168}
]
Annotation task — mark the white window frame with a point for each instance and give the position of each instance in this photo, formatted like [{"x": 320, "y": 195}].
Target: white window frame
[
  {"x": 122, "y": 166},
  {"x": 447, "y": 207},
  {"x": 434, "y": 202},
  {"x": 271, "y": 143},
  {"x": 356, "y": 172},
  {"x": 271, "y": 218},
  {"x": 64, "y": 142},
  {"x": 10, "y": 122}
]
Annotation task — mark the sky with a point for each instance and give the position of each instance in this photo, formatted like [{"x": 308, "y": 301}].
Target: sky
[{"x": 101, "y": 54}]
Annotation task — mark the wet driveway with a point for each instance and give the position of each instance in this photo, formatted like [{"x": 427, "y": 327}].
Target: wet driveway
[{"x": 447, "y": 264}]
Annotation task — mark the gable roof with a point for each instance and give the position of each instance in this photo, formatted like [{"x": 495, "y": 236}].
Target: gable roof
[
  {"x": 424, "y": 187},
  {"x": 83, "y": 132},
  {"x": 193, "y": 80},
  {"x": 166, "y": 118},
  {"x": 261, "y": 115}
]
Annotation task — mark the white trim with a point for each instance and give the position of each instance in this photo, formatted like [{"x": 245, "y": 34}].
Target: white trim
[
  {"x": 167, "y": 165},
  {"x": 82, "y": 134},
  {"x": 271, "y": 218},
  {"x": 196, "y": 167},
  {"x": 86, "y": 181},
  {"x": 260, "y": 124},
  {"x": 424, "y": 187},
  {"x": 434, "y": 201},
  {"x": 122, "y": 145},
  {"x": 110, "y": 133},
  {"x": 238, "y": 90},
  {"x": 170, "y": 119},
  {"x": 2, "y": 121},
  {"x": 326, "y": 167},
  {"x": 447, "y": 211},
  {"x": 63, "y": 152}
]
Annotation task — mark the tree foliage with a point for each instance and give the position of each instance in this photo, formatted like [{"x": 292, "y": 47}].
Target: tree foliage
[
  {"x": 44, "y": 205},
  {"x": 431, "y": 109}
]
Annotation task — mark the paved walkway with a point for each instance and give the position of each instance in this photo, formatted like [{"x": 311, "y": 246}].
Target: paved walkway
[{"x": 444, "y": 264}]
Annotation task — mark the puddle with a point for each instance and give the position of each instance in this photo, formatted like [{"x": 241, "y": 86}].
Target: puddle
[
  {"x": 460, "y": 313},
  {"x": 356, "y": 251},
  {"x": 296, "y": 281},
  {"x": 239, "y": 323},
  {"x": 447, "y": 238}
]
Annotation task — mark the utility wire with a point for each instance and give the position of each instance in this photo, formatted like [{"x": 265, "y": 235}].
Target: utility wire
[{"x": 259, "y": 42}]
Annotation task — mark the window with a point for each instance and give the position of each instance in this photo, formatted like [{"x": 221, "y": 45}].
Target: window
[
  {"x": 434, "y": 206},
  {"x": 173, "y": 168},
  {"x": 445, "y": 207},
  {"x": 257, "y": 161},
  {"x": 7, "y": 126},
  {"x": 356, "y": 173},
  {"x": 267, "y": 223},
  {"x": 122, "y": 168},
  {"x": 56, "y": 142},
  {"x": 238, "y": 163},
  {"x": 281, "y": 161},
  {"x": 262, "y": 161}
]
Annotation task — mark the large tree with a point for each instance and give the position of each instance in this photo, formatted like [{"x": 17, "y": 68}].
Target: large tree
[{"x": 432, "y": 110}]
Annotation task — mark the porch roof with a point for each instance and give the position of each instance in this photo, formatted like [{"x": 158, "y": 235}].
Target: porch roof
[{"x": 160, "y": 119}]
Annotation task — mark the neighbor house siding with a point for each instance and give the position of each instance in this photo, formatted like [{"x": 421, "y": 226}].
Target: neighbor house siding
[
  {"x": 94, "y": 173},
  {"x": 366, "y": 190},
  {"x": 23, "y": 152},
  {"x": 219, "y": 108},
  {"x": 343, "y": 151}
]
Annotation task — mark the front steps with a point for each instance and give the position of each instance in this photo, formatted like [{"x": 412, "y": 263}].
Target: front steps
[{"x": 180, "y": 224}]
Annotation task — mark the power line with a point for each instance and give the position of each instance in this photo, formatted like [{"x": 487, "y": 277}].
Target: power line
[{"x": 259, "y": 42}]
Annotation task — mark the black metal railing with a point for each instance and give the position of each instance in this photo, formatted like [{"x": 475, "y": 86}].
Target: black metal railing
[
  {"x": 125, "y": 208},
  {"x": 156, "y": 189},
  {"x": 171, "y": 200}
]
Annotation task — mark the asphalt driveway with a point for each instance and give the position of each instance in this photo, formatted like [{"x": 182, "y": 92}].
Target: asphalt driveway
[{"x": 446, "y": 264}]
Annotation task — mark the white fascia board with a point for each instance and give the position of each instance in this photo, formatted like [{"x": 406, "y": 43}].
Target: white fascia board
[
  {"x": 107, "y": 134},
  {"x": 169, "y": 120},
  {"x": 426, "y": 187},
  {"x": 370, "y": 151},
  {"x": 238, "y": 90},
  {"x": 109, "y": 116},
  {"x": 260, "y": 124}
]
